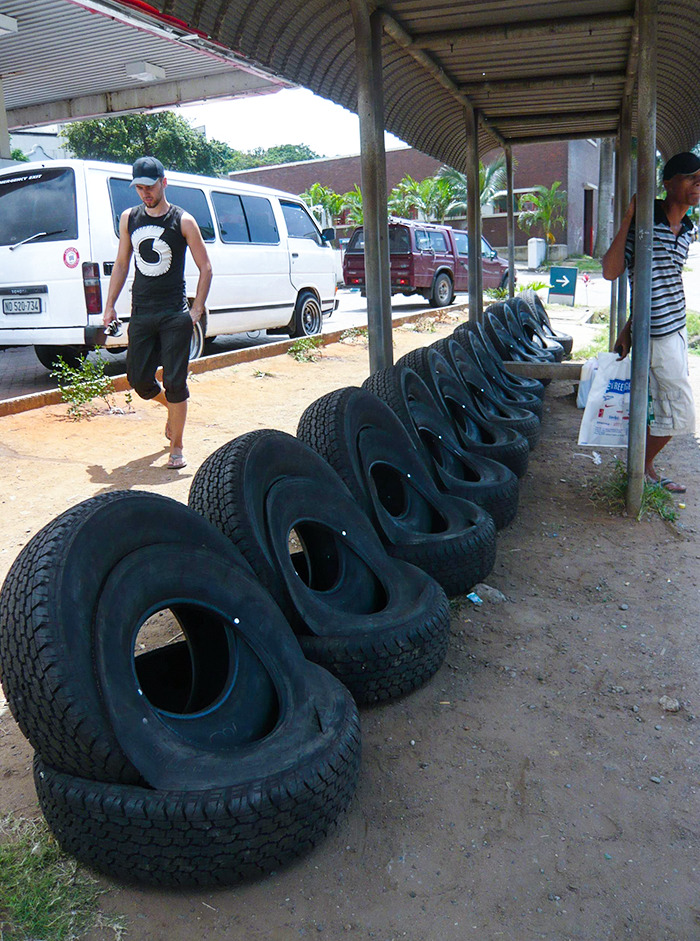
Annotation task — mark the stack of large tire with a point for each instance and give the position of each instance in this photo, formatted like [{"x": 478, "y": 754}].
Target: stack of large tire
[
  {"x": 214, "y": 758},
  {"x": 189, "y": 676}
]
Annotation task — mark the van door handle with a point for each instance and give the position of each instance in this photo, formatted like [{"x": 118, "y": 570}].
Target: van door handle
[{"x": 295, "y": 254}]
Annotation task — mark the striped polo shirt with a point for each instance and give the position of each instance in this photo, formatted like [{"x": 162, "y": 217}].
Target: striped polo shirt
[{"x": 669, "y": 255}]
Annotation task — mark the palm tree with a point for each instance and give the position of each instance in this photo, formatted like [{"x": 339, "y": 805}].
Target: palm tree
[
  {"x": 352, "y": 205},
  {"x": 430, "y": 197},
  {"x": 327, "y": 199},
  {"x": 545, "y": 208},
  {"x": 492, "y": 180}
]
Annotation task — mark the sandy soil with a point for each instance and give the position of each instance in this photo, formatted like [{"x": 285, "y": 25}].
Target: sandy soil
[{"x": 535, "y": 788}]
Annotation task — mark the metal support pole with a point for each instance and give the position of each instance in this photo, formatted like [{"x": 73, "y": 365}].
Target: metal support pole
[
  {"x": 476, "y": 294},
  {"x": 624, "y": 196},
  {"x": 5, "y": 149},
  {"x": 510, "y": 221},
  {"x": 644, "y": 232},
  {"x": 370, "y": 110}
]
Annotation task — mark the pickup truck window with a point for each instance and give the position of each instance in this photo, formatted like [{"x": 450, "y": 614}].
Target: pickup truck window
[
  {"x": 422, "y": 240},
  {"x": 399, "y": 241},
  {"x": 38, "y": 203},
  {"x": 462, "y": 244},
  {"x": 438, "y": 242}
]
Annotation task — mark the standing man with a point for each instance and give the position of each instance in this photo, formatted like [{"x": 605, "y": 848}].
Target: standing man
[
  {"x": 672, "y": 411},
  {"x": 160, "y": 329}
]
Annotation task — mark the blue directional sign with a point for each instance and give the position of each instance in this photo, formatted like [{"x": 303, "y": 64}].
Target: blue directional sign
[{"x": 562, "y": 285}]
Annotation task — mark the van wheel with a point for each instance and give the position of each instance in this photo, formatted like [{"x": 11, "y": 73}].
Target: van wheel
[
  {"x": 71, "y": 355},
  {"x": 308, "y": 317},
  {"x": 442, "y": 292},
  {"x": 197, "y": 341}
]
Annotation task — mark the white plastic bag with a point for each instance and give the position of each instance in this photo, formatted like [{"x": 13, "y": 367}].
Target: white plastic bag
[
  {"x": 588, "y": 371},
  {"x": 605, "y": 422}
]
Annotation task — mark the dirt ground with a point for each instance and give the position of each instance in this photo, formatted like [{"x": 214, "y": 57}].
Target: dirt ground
[{"x": 535, "y": 788}]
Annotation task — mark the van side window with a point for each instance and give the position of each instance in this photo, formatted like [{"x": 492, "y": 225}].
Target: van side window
[
  {"x": 231, "y": 218},
  {"x": 39, "y": 202},
  {"x": 300, "y": 225},
  {"x": 438, "y": 242},
  {"x": 261, "y": 220},
  {"x": 195, "y": 202},
  {"x": 123, "y": 196},
  {"x": 422, "y": 240}
]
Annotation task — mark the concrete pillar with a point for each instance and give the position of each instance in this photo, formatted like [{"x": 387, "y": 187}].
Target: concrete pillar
[
  {"x": 370, "y": 109},
  {"x": 476, "y": 294},
  {"x": 4, "y": 131},
  {"x": 644, "y": 231}
]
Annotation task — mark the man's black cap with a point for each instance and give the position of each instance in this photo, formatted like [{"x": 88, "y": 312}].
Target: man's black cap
[
  {"x": 685, "y": 163},
  {"x": 147, "y": 171}
]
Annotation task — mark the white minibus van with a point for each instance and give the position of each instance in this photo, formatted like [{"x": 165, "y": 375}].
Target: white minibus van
[{"x": 274, "y": 269}]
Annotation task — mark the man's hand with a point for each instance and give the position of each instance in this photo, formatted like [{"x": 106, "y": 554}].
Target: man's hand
[
  {"x": 623, "y": 342},
  {"x": 109, "y": 315},
  {"x": 196, "y": 313}
]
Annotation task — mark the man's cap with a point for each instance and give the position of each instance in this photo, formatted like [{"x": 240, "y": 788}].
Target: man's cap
[
  {"x": 685, "y": 164},
  {"x": 147, "y": 171}
]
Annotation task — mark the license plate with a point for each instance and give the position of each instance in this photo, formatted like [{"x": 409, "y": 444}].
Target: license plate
[{"x": 21, "y": 305}]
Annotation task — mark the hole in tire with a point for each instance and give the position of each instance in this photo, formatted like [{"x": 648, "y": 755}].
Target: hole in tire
[
  {"x": 326, "y": 563},
  {"x": 403, "y": 502}
]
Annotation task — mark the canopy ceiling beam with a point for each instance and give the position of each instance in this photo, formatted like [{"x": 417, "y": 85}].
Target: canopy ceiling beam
[
  {"x": 567, "y": 119},
  {"x": 520, "y": 139},
  {"x": 554, "y": 83},
  {"x": 592, "y": 26}
]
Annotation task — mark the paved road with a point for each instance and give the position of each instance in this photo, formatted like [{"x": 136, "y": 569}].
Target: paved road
[{"x": 21, "y": 373}]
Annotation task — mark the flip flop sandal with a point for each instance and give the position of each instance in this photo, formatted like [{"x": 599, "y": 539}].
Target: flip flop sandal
[
  {"x": 670, "y": 485},
  {"x": 176, "y": 462}
]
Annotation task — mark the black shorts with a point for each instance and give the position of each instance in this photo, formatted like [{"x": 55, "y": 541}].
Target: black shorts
[{"x": 159, "y": 338}]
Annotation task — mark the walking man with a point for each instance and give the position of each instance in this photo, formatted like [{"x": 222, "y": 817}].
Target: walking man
[
  {"x": 160, "y": 330},
  {"x": 672, "y": 411}
]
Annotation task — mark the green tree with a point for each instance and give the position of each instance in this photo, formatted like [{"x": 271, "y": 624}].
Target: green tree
[
  {"x": 352, "y": 205},
  {"x": 492, "y": 180},
  {"x": 19, "y": 155},
  {"x": 330, "y": 201},
  {"x": 282, "y": 153},
  {"x": 161, "y": 134},
  {"x": 430, "y": 197},
  {"x": 543, "y": 208}
]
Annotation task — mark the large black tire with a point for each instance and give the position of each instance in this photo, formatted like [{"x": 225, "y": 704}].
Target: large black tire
[
  {"x": 473, "y": 431},
  {"x": 476, "y": 342},
  {"x": 488, "y": 483},
  {"x": 242, "y": 700},
  {"x": 365, "y": 443},
  {"x": 48, "y": 606},
  {"x": 308, "y": 316},
  {"x": 494, "y": 408},
  {"x": 211, "y": 836},
  {"x": 379, "y": 624}
]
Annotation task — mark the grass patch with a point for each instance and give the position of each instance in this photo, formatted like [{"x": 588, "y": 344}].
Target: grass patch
[
  {"x": 612, "y": 493},
  {"x": 354, "y": 335},
  {"x": 582, "y": 262},
  {"x": 598, "y": 345},
  {"x": 306, "y": 349},
  {"x": 693, "y": 322},
  {"x": 44, "y": 895}
]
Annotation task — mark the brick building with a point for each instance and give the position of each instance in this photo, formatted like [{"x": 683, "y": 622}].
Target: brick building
[{"x": 573, "y": 163}]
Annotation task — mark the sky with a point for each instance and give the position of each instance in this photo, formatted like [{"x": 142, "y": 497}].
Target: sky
[{"x": 291, "y": 116}]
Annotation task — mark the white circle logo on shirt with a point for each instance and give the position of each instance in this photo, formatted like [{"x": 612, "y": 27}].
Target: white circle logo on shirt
[{"x": 152, "y": 255}]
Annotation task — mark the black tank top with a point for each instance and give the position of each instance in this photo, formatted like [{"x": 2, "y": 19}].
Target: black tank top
[{"x": 159, "y": 252}]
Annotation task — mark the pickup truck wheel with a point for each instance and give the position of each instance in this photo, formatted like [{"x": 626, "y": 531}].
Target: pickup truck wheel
[
  {"x": 442, "y": 292},
  {"x": 308, "y": 317},
  {"x": 71, "y": 355}
]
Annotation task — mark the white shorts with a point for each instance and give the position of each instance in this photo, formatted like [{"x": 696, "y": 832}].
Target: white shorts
[{"x": 672, "y": 402}]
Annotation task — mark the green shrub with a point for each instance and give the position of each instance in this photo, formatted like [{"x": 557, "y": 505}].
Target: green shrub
[
  {"x": 306, "y": 349},
  {"x": 82, "y": 384}
]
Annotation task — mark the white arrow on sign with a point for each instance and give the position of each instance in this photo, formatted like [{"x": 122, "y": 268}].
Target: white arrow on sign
[{"x": 563, "y": 281}]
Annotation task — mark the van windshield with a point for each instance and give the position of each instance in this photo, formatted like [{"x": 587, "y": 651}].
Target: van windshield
[
  {"x": 399, "y": 241},
  {"x": 38, "y": 205}
]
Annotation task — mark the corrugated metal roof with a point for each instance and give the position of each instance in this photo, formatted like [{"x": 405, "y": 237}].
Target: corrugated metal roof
[
  {"x": 65, "y": 50},
  {"x": 534, "y": 70}
]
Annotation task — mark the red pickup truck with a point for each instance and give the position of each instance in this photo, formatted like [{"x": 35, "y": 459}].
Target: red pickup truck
[{"x": 426, "y": 259}]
